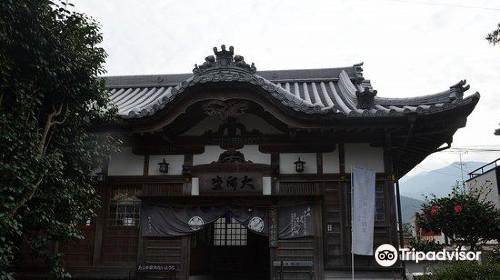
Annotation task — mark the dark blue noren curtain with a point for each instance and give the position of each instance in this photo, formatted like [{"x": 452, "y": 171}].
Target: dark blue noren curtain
[
  {"x": 171, "y": 221},
  {"x": 255, "y": 219}
]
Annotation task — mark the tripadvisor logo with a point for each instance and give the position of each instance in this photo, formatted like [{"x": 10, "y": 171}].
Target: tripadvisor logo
[{"x": 387, "y": 255}]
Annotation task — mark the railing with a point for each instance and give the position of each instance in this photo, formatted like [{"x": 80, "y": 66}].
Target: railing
[{"x": 481, "y": 170}]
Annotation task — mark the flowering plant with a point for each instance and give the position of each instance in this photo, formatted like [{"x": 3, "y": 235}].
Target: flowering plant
[{"x": 462, "y": 217}]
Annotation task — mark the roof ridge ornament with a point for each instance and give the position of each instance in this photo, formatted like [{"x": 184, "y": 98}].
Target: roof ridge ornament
[
  {"x": 358, "y": 72},
  {"x": 457, "y": 90},
  {"x": 365, "y": 98},
  {"x": 223, "y": 58}
]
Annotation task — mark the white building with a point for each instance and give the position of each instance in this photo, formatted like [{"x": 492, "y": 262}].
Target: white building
[{"x": 487, "y": 178}]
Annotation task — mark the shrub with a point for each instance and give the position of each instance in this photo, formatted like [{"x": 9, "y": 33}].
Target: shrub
[
  {"x": 465, "y": 270},
  {"x": 423, "y": 245},
  {"x": 463, "y": 217}
]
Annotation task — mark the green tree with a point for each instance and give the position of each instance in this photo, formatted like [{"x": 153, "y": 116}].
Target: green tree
[
  {"x": 465, "y": 270},
  {"x": 494, "y": 36},
  {"x": 50, "y": 94},
  {"x": 462, "y": 217}
]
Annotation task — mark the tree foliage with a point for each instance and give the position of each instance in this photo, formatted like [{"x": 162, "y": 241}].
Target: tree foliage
[
  {"x": 50, "y": 94},
  {"x": 465, "y": 270},
  {"x": 494, "y": 36},
  {"x": 423, "y": 245},
  {"x": 462, "y": 216}
]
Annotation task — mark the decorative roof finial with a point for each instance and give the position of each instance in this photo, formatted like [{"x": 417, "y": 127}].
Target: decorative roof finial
[
  {"x": 457, "y": 90},
  {"x": 358, "y": 72},
  {"x": 365, "y": 98},
  {"x": 223, "y": 58}
]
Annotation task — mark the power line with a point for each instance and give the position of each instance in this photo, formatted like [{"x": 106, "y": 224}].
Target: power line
[
  {"x": 474, "y": 149},
  {"x": 441, "y": 4},
  {"x": 471, "y": 150},
  {"x": 477, "y": 146}
]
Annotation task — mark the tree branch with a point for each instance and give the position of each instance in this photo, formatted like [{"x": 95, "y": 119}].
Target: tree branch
[
  {"x": 64, "y": 117},
  {"x": 42, "y": 148},
  {"x": 27, "y": 196},
  {"x": 48, "y": 126}
]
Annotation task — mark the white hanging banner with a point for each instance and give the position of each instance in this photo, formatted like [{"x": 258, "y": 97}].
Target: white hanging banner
[{"x": 363, "y": 202}]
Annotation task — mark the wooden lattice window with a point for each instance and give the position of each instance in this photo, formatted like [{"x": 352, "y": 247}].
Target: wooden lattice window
[
  {"x": 124, "y": 206},
  {"x": 233, "y": 234},
  {"x": 379, "y": 203}
]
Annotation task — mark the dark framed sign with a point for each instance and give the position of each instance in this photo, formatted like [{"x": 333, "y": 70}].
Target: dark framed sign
[
  {"x": 273, "y": 227},
  {"x": 230, "y": 183},
  {"x": 156, "y": 267}
]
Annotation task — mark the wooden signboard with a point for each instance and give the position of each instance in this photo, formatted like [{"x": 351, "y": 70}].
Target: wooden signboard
[
  {"x": 231, "y": 183},
  {"x": 273, "y": 227}
]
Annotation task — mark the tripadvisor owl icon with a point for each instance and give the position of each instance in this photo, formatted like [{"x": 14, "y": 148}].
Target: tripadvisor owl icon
[{"x": 386, "y": 255}]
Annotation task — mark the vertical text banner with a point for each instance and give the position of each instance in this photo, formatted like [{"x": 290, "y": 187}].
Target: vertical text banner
[{"x": 363, "y": 197}]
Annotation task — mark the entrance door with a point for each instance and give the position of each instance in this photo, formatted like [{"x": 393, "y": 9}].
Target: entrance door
[{"x": 229, "y": 251}]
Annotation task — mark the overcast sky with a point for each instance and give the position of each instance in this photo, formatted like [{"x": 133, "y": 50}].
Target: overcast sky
[{"x": 409, "y": 48}]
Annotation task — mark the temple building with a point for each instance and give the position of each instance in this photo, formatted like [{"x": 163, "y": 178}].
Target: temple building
[{"x": 232, "y": 173}]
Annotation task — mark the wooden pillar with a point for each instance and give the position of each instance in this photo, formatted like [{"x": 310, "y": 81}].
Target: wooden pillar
[
  {"x": 273, "y": 238},
  {"x": 392, "y": 178},
  {"x": 342, "y": 158},
  {"x": 319, "y": 162},
  {"x": 146, "y": 166},
  {"x": 319, "y": 262},
  {"x": 102, "y": 191},
  {"x": 185, "y": 257},
  {"x": 400, "y": 224},
  {"x": 275, "y": 166}
]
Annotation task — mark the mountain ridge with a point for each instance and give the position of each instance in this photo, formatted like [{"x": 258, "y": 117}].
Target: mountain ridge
[{"x": 439, "y": 181}]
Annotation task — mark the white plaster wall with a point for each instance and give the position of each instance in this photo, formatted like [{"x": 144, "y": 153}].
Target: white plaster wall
[
  {"x": 195, "y": 186},
  {"x": 210, "y": 155},
  {"x": 287, "y": 165},
  {"x": 125, "y": 163},
  {"x": 266, "y": 185},
  {"x": 364, "y": 156},
  {"x": 487, "y": 181},
  {"x": 331, "y": 162},
  {"x": 253, "y": 154},
  {"x": 175, "y": 164}
]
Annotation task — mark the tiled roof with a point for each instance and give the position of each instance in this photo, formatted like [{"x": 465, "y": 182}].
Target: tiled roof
[{"x": 312, "y": 91}]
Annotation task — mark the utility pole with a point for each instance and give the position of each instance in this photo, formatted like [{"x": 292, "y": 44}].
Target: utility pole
[
  {"x": 464, "y": 189},
  {"x": 461, "y": 167}
]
